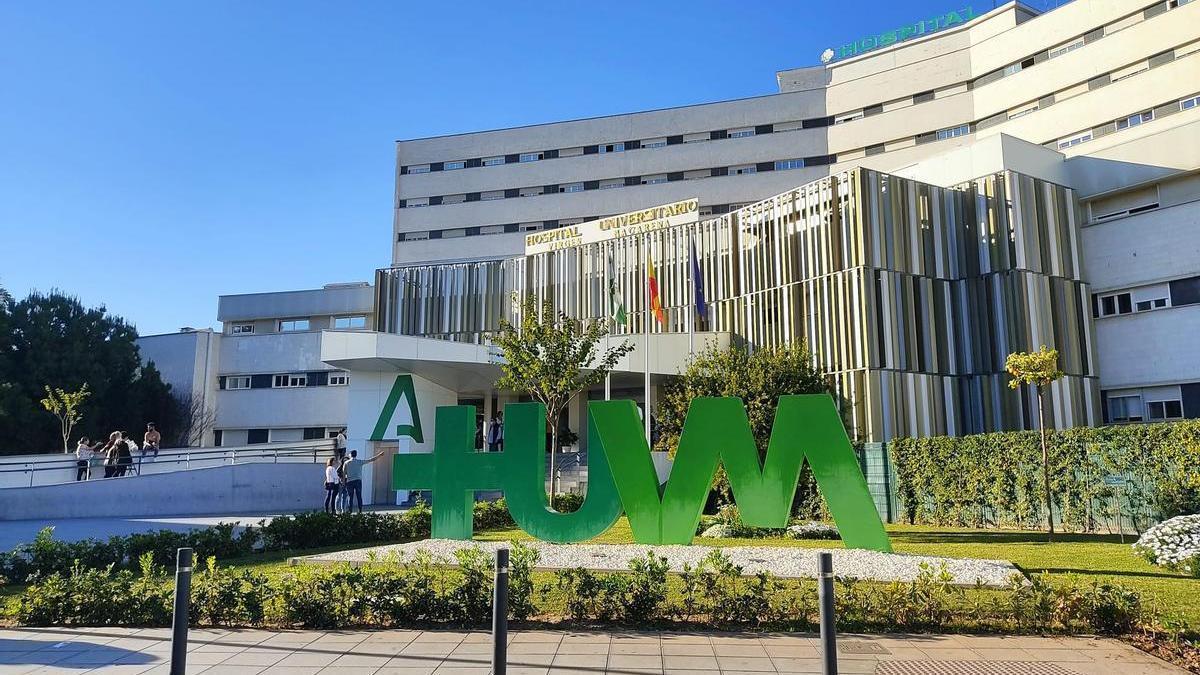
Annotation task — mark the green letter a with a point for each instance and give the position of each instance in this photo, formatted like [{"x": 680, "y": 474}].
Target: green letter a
[{"x": 716, "y": 431}]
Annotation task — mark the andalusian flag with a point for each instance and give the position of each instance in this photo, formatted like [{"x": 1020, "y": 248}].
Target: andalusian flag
[
  {"x": 655, "y": 299},
  {"x": 616, "y": 305}
]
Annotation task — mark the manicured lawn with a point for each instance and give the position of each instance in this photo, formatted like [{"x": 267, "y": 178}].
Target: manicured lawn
[{"x": 1090, "y": 557}]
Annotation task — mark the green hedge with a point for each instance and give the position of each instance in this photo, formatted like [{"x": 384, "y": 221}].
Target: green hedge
[
  {"x": 420, "y": 590},
  {"x": 995, "y": 479}
]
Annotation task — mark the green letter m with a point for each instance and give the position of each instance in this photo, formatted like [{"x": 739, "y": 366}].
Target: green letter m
[{"x": 716, "y": 431}]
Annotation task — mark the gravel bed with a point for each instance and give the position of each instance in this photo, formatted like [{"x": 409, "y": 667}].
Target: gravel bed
[{"x": 788, "y": 562}]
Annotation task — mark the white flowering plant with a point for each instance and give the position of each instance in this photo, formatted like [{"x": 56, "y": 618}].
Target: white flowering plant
[
  {"x": 1174, "y": 544},
  {"x": 813, "y": 531}
]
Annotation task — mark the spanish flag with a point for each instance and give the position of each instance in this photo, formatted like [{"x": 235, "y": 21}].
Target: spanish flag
[{"x": 655, "y": 298}]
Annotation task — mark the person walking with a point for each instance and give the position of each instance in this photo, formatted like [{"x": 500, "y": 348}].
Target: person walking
[
  {"x": 134, "y": 451},
  {"x": 83, "y": 458},
  {"x": 331, "y": 485},
  {"x": 352, "y": 471},
  {"x": 495, "y": 433}
]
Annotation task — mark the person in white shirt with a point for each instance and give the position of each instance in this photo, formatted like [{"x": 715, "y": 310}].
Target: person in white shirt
[
  {"x": 332, "y": 482},
  {"x": 339, "y": 447},
  {"x": 83, "y": 458}
]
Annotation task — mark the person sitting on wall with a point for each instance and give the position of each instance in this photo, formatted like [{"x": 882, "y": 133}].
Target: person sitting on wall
[
  {"x": 150, "y": 442},
  {"x": 352, "y": 471}
]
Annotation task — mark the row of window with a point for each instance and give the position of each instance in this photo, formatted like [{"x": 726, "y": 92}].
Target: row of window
[
  {"x": 1125, "y": 409},
  {"x": 259, "y": 436},
  {"x": 921, "y": 97},
  {"x": 1128, "y": 122},
  {"x": 1173, "y": 294},
  {"x": 323, "y": 378},
  {"x": 451, "y": 233},
  {"x": 354, "y": 322},
  {"x": 627, "y": 181}
]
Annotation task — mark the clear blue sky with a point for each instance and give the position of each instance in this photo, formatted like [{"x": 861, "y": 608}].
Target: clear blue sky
[{"x": 154, "y": 155}]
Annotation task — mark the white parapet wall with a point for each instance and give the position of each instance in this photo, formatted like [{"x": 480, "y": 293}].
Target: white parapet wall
[{"x": 254, "y": 487}]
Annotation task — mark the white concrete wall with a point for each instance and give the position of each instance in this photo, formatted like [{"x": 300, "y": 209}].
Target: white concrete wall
[
  {"x": 1149, "y": 348},
  {"x": 241, "y": 488}
]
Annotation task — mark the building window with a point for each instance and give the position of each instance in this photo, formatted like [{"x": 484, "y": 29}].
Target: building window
[
  {"x": 242, "y": 328},
  {"x": 571, "y": 187},
  {"x": 922, "y": 97},
  {"x": 1066, "y": 48},
  {"x": 256, "y": 436},
  {"x": 339, "y": 378},
  {"x": 1189, "y": 103},
  {"x": 451, "y": 166},
  {"x": 698, "y": 137},
  {"x": 785, "y": 164},
  {"x": 1022, "y": 113},
  {"x": 454, "y": 199},
  {"x": 290, "y": 381},
  {"x": 612, "y": 183},
  {"x": 1165, "y": 410},
  {"x": 416, "y": 203},
  {"x": 655, "y": 143},
  {"x": 742, "y": 170},
  {"x": 1148, "y": 305},
  {"x": 1134, "y": 120},
  {"x": 419, "y": 168},
  {"x": 531, "y": 192},
  {"x": 455, "y": 232},
  {"x": 953, "y": 132},
  {"x": 490, "y": 196},
  {"x": 291, "y": 325},
  {"x": 237, "y": 382},
  {"x": 218, "y": 437},
  {"x": 1072, "y": 141},
  {"x": 530, "y": 156},
  {"x": 741, "y": 133},
  {"x": 655, "y": 179},
  {"x": 612, "y": 147},
  {"x": 1117, "y": 303},
  {"x": 314, "y": 433},
  {"x": 1012, "y": 69},
  {"x": 350, "y": 322},
  {"x": 493, "y": 161},
  {"x": 529, "y": 227},
  {"x": 1125, "y": 409},
  {"x": 416, "y": 236}
]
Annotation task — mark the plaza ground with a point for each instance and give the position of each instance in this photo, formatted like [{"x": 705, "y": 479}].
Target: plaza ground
[{"x": 403, "y": 652}]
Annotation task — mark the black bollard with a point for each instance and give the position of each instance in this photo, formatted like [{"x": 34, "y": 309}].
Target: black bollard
[
  {"x": 828, "y": 623},
  {"x": 179, "y": 620},
  {"x": 500, "y": 615}
]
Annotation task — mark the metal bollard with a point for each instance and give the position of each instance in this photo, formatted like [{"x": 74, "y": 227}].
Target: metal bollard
[
  {"x": 179, "y": 620},
  {"x": 500, "y": 615},
  {"x": 828, "y": 623}
]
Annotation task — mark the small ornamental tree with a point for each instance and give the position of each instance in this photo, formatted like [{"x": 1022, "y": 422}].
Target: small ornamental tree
[
  {"x": 65, "y": 406},
  {"x": 1038, "y": 369},
  {"x": 554, "y": 357}
]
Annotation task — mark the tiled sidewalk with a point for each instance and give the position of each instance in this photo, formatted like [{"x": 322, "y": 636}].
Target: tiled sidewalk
[{"x": 402, "y": 652}]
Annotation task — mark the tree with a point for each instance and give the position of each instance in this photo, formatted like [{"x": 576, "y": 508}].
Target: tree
[
  {"x": 195, "y": 420},
  {"x": 1038, "y": 369},
  {"x": 65, "y": 406},
  {"x": 554, "y": 357},
  {"x": 757, "y": 377},
  {"x": 52, "y": 339}
]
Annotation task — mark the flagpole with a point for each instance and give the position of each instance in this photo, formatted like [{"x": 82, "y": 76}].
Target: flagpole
[
  {"x": 646, "y": 344},
  {"x": 692, "y": 293},
  {"x": 612, "y": 323}
]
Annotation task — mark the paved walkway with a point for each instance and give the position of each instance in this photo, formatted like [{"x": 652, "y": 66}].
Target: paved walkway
[{"x": 404, "y": 652}]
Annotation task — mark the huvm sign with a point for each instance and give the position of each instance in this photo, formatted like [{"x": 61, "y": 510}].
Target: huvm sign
[
  {"x": 906, "y": 32},
  {"x": 621, "y": 475}
]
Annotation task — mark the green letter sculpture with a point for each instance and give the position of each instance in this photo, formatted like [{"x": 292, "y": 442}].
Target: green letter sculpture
[{"x": 621, "y": 473}]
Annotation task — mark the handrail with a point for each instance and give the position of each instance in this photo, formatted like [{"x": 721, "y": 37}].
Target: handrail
[{"x": 180, "y": 456}]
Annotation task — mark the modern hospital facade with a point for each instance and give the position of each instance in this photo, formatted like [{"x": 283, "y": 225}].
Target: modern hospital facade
[{"x": 933, "y": 197}]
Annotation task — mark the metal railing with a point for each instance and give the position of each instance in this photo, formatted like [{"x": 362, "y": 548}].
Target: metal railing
[{"x": 26, "y": 473}]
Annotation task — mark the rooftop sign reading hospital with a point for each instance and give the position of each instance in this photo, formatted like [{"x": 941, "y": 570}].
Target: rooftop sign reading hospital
[
  {"x": 624, "y": 225},
  {"x": 906, "y": 32}
]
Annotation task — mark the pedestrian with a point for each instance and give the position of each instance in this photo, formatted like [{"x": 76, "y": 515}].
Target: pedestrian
[
  {"x": 134, "y": 450},
  {"x": 111, "y": 453},
  {"x": 124, "y": 456},
  {"x": 150, "y": 442},
  {"x": 352, "y": 471},
  {"x": 495, "y": 433},
  {"x": 343, "y": 495},
  {"x": 331, "y": 485},
  {"x": 339, "y": 446},
  {"x": 83, "y": 458}
]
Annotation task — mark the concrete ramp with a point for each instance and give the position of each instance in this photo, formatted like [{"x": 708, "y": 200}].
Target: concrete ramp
[{"x": 238, "y": 488}]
